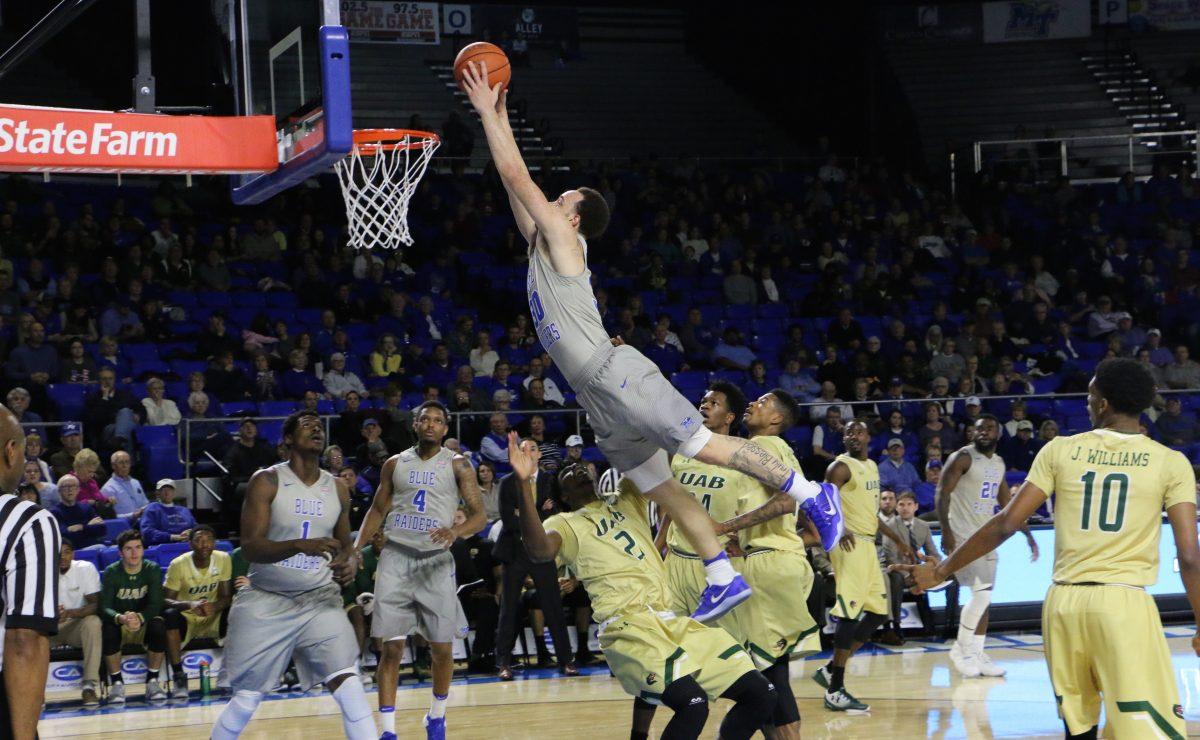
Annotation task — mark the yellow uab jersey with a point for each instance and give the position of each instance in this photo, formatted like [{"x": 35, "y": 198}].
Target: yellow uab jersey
[
  {"x": 860, "y": 496},
  {"x": 778, "y": 533},
  {"x": 192, "y": 584},
  {"x": 717, "y": 489},
  {"x": 1110, "y": 490},
  {"x": 610, "y": 549}
]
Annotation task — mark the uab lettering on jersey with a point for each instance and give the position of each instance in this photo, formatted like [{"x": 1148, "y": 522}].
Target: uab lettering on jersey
[
  {"x": 611, "y": 527},
  {"x": 700, "y": 480},
  {"x": 131, "y": 594},
  {"x": 871, "y": 484}
]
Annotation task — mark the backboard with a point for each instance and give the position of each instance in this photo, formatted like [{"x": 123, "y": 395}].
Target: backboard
[{"x": 291, "y": 60}]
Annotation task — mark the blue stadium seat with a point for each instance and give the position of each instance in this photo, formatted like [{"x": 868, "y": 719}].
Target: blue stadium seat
[
  {"x": 115, "y": 527},
  {"x": 239, "y": 408},
  {"x": 91, "y": 556},
  {"x": 592, "y": 454},
  {"x": 156, "y": 436},
  {"x": 140, "y": 352},
  {"x": 166, "y": 552},
  {"x": 184, "y": 368},
  {"x": 69, "y": 399},
  {"x": 1070, "y": 406},
  {"x": 108, "y": 556},
  {"x": 276, "y": 408},
  {"x": 272, "y": 431}
]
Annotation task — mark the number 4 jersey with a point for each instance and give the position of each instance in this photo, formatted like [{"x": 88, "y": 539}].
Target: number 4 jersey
[
  {"x": 424, "y": 498},
  {"x": 1110, "y": 490}
]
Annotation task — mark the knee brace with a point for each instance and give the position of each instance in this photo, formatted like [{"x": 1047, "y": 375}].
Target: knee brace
[
  {"x": 236, "y": 715},
  {"x": 867, "y": 626},
  {"x": 156, "y": 635},
  {"x": 356, "y": 712},
  {"x": 973, "y": 612},
  {"x": 174, "y": 620},
  {"x": 843, "y": 634},
  {"x": 110, "y": 637},
  {"x": 786, "y": 711},
  {"x": 754, "y": 704},
  {"x": 690, "y": 704}
]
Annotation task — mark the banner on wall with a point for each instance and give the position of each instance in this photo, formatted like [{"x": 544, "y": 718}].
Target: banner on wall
[
  {"x": 456, "y": 19},
  {"x": 1163, "y": 15},
  {"x": 541, "y": 26},
  {"x": 392, "y": 22},
  {"x": 1036, "y": 20},
  {"x": 1113, "y": 12},
  {"x": 930, "y": 24}
]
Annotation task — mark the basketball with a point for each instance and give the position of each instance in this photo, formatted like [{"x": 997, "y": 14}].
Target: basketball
[{"x": 499, "y": 71}]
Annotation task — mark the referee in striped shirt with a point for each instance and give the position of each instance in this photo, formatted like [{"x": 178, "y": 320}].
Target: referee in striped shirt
[{"x": 29, "y": 544}]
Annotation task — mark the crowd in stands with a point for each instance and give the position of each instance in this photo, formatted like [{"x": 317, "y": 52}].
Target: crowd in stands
[{"x": 133, "y": 322}]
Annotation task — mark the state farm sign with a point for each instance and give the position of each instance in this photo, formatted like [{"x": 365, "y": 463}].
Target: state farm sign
[{"x": 60, "y": 140}]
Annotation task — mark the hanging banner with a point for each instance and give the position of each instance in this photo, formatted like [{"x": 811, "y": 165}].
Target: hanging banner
[
  {"x": 540, "y": 26},
  {"x": 392, "y": 22},
  {"x": 930, "y": 24},
  {"x": 1163, "y": 15},
  {"x": 1036, "y": 20},
  {"x": 69, "y": 140},
  {"x": 456, "y": 19}
]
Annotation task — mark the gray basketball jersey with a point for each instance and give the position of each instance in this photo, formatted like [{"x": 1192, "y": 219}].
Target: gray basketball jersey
[
  {"x": 975, "y": 497},
  {"x": 424, "y": 498},
  {"x": 564, "y": 314},
  {"x": 299, "y": 512}
]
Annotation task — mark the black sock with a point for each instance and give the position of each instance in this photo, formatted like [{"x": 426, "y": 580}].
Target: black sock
[
  {"x": 837, "y": 678},
  {"x": 151, "y": 676},
  {"x": 115, "y": 678},
  {"x": 635, "y": 735},
  {"x": 177, "y": 668}
]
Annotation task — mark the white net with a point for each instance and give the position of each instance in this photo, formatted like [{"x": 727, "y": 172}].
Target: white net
[{"x": 378, "y": 179}]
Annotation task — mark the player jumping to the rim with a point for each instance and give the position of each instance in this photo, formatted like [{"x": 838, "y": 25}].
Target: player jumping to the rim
[{"x": 638, "y": 416}]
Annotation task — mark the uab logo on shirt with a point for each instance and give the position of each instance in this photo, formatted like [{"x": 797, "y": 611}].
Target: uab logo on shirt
[
  {"x": 700, "y": 480},
  {"x": 131, "y": 594}
]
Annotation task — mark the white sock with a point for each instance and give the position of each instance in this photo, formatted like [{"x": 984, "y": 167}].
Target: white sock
[
  {"x": 966, "y": 638},
  {"x": 801, "y": 489},
  {"x": 356, "y": 712},
  {"x": 236, "y": 715},
  {"x": 387, "y": 718},
  {"x": 437, "y": 707},
  {"x": 719, "y": 571},
  {"x": 977, "y": 642}
]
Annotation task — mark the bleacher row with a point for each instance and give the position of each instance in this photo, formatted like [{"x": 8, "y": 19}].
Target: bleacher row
[{"x": 102, "y": 557}]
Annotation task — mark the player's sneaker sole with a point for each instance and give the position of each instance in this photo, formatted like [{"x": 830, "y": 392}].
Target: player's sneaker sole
[
  {"x": 821, "y": 676},
  {"x": 825, "y": 512},
  {"x": 717, "y": 601}
]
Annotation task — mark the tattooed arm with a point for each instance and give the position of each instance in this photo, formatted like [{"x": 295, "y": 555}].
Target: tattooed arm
[{"x": 778, "y": 505}]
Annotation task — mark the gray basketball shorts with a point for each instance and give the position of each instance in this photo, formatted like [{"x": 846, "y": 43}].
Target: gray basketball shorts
[
  {"x": 417, "y": 595},
  {"x": 267, "y": 629},
  {"x": 979, "y": 574},
  {"x": 635, "y": 411}
]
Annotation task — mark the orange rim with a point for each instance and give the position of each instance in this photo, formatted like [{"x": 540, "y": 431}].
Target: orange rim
[{"x": 371, "y": 140}]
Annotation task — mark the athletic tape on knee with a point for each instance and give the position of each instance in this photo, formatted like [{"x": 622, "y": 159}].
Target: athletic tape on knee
[
  {"x": 973, "y": 612},
  {"x": 693, "y": 444},
  {"x": 356, "y": 712},
  {"x": 236, "y": 715}
]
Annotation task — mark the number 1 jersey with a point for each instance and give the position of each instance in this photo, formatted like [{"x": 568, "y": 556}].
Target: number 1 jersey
[{"x": 1110, "y": 490}]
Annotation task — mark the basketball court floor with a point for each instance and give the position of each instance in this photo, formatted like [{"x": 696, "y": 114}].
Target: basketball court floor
[{"x": 912, "y": 690}]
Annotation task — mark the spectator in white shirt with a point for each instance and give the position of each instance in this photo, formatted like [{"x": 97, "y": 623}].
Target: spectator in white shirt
[
  {"x": 537, "y": 370},
  {"x": 339, "y": 381},
  {"x": 78, "y": 623},
  {"x": 159, "y": 409},
  {"x": 483, "y": 358},
  {"x": 1103, "y": 321},
  {"x": 130, "y": 496}
]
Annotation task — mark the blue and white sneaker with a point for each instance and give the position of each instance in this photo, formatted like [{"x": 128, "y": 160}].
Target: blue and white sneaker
[
  {"x": 435, "y": 729},
  {"x": 388, "y": 736},
  {"x": 825, "y": 511},
  {"x": 717, "y": 601}
]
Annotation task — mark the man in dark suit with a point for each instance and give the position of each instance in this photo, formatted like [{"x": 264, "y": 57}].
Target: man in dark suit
[{"x": 510, "y": 551}]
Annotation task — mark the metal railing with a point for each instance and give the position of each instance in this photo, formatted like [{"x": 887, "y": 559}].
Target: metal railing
[{"x": 1084, "y": 158}]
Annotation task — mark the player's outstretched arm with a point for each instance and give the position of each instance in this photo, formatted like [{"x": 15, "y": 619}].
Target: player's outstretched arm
[
  {"x": 989, "y": 537},
  {"x": 956, "y": 466},
  {"x": 1003, "y": 497},
  {"x": 256, "y": 520},
  {"x": 380, "y": 505},
  {"x": 778, "y": 505},
  {"x": 540, "y": 545},
  {"x": 1183, "y": 525},
  {"x": 551, "y": 222}
]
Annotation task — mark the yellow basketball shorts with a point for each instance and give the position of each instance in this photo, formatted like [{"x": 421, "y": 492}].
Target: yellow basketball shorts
[
  {"x": 1107, "y": 641},
  {"x": 201, "y": 627},
  {"x": 686, "y": 579},
  {"x": 647, "y": 650},
  {"x": 859, "y": 580},
  {"x": 775, "y": 621}
]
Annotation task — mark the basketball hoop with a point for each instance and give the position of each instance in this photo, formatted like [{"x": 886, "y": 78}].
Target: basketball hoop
[{"x": 378, "y": 177}]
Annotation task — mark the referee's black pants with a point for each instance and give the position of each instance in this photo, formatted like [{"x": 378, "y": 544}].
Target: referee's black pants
[{"x": 545, "y": 580}]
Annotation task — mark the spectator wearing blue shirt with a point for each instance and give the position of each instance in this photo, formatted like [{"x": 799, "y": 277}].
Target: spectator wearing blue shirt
[
  {"x": 732, "y": 353},
  {"x": 494, "y": 447},
  {"x": 798, "y": 382},
  {"x": 77, "y": 521},
  {"x": 1018, "y": 451},
  {"x": 35, "y": 361},
  {"x": 121, "y": 321},
  {"x": 297, "y": 379},
  {"x": 1176, "y": 428},
  {"x": 896, "y": 473},
  {"x": 758, "y": 385},
  {"x": 127, "y": 490},
  {"x": 163, "y": 521},
  {"x": 828, "y": 437},
  {"x": 18, "y": 400},
  {"x": 662, "y": 353},
  {"x": 926, "y": 490}
]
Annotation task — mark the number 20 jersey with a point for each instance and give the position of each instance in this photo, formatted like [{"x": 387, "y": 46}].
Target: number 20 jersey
[
  {"x": 424, "y": 498},
  {"x": 1110, "y": 489}
]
